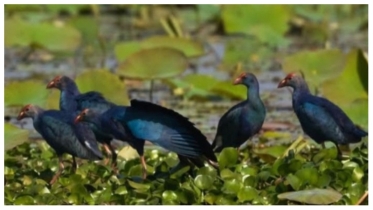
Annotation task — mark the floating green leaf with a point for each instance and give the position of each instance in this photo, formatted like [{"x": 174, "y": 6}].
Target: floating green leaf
[
  {"x": 247, "y": 194},
  {"x": 230, "y": 90},
  {"x": 124, "y": 49},
  {"x": 20, "y": 93},
  {"x": 257, "y": 20},
  {"x": 14, "y": 136},
  {"x": 228, "y": 157},
  {"x": 313, "y": 196},
  {"x": 104, "y": 82},
  {"x": 317, "y": 66},
  {"x": 150, "y": 64},
  {"x": 55, "y": 37},
  {"x": 203, "y": 182}
]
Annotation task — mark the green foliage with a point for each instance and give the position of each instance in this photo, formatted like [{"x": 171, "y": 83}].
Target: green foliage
[
  {"x": 258, "y": 20},
  {"x": 150, "y": 64},
  {"x": 20, "y": 93},
  {"x": 14, "y": 136},
  {"x": 52, "y": 36},
  {"x": 29, "y": 167}
]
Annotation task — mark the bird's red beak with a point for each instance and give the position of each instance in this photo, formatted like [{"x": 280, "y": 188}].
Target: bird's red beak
[
  {"x": 51, "y": 84},
  {"x": 78, "y": 119},
  {"x": 21, "y": 115},
  {"x": 282, "y": 83}
]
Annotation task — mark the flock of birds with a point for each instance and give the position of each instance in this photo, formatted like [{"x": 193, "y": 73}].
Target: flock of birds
[{"x": 87, "y": 118}]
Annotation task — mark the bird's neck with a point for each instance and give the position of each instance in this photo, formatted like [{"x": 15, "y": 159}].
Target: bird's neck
[
  {"x": 253, "y": 95},
  {"x": 67, "y": 98},
  {"x": 300, "y": 90}
]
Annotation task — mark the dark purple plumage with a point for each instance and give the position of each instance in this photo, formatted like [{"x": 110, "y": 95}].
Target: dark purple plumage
[
  {"x": 243, "y": 120},
  {"x": 71, "y": 100},
  {"x": 59, "y": 131},
  {"x": 321, "y": 119},
  {"x": 161, "y": 126}
]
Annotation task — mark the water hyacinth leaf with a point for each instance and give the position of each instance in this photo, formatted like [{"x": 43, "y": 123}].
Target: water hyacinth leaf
[
  {"x": 317, "y": 66},
  {"x": 139, "y": 186},
  {"x": 274, "y": 151},
  {"x": 150, "y": 64},
  {"x": 232, "y": 186},
  {"x": 257, "y": 20},
  {"x": 313, "y": 196},
  {"x": 98, "y": 80},
  {"x": 294, "y": 181},
  {"x": 203, "y": 182},
  {"x": 247, "y": 194},
  {"x": 189, "y": 47},
  {"x": 227, "y": 157},
  {"x": 14, "y": 136},
  {"x": 169, "y": 195},
  {"x": 207, "y": 171},
  {"x": 20, "y": 93},
  {"x": 308, "y": 175},
  {"x": 24, "y": 200}
]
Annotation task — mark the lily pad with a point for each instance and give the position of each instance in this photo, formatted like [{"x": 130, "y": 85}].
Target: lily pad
[
  {"x": 20, "y": 93},
  {"x": 257, "y": 20},
  {"x": 189, "y": 47},
  {"x": 230, "y": 90},
  {"x": 14, "y": 136},
  {"x": 151, "y": 64},
  {"x": 52, "y": 36},
  {"x": 313, "y": 196},
  {"x": 104, "y": 82},
  {"x": 317, "y": 66}
]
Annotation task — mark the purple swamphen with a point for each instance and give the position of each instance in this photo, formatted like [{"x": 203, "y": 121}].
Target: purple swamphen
[
  {"x": 60, "y": 132},
  {"x": 321, "y": 119},
  {"x": 73, "y": 101},
  {"x": 163, "y": 127},
  {"x": 243, "y": 120}
]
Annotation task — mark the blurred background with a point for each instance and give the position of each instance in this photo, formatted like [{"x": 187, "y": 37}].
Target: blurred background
[{"x": 186, "y": 57}]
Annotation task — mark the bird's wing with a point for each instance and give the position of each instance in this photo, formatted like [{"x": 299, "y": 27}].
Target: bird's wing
[{"x": 92, "y": 100}]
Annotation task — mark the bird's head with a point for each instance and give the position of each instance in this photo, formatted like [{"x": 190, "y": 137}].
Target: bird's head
[
  {"x": 27, "y": 111},
  {"x": 247, "y": 79},
  {"x": 292, "y": 80},
  {"x": 60, "y": 82},
  {"x": 84, "y": 116}
]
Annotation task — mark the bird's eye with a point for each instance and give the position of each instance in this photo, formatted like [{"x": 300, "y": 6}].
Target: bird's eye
[{"x": 26, "y": 109}]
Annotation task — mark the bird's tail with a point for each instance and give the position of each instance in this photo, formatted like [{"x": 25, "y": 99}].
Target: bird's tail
[{"x": 358, "y": 133}]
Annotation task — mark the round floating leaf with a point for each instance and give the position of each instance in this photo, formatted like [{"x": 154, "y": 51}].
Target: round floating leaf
[
  {"x": 14, "y": 136},
  {"x": 314, "y": 196},
  {"x": 232, "y": 186},
  {"x": 357, "y": 111},
  {"x": 189, "y": 47},
  {"x": 203, "y": 182},
  {"x": 24, "y": 200},
  {"x": 231, "y": 91},
  {"x": 155, "y": 63},
  {"x": 227, "y": 157},
  {"x": 104, "y": 82},
  {"x": 20, "y": 93},
  {"x": 247, "y": 194},
  {"x": 308, "y": 175},
  {"x": 53, "y": 100},
  {"x": 207, "y": 171},
  {"x": 124, "y": 49},
  {"x": 257, "y": 20},
  {"x": 194, "y": 85},
  {"x": 54, "y": 37},
  {"x": 352, "y": 83},
  {"x": 317, "y": 66}
]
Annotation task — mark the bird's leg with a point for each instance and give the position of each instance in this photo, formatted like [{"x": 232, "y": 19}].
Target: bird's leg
[
  {"x": 339, "y": 156},
  {"x": 143, "y": 163},
  {"x": 323, "y": 145},
  {"x": 75, "y": 165},
  {"x": 108, "y": 152},
  {"x": 60, "y": 169},
  {"x": 113, "y": 159}
]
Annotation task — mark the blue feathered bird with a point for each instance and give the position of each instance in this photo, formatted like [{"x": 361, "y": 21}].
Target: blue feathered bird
[
  {"x": 320, "y": 118},
  {"x": 243, "y": 120},
  {"x": 71, "y": 100},
  {"x": 163, "y": 127},
  {"x": 60, "y": 132}
]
